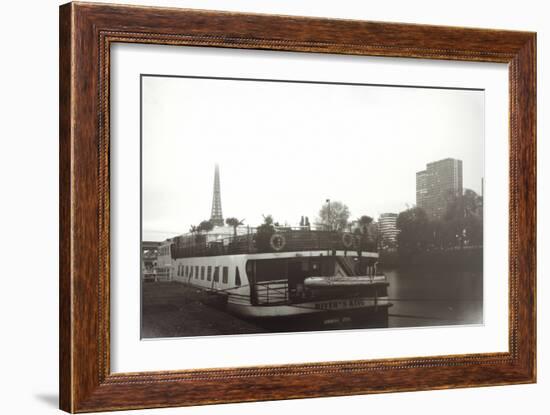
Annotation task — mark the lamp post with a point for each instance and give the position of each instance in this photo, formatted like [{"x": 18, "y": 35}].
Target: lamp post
[
  {"x": 329, "y": 225},
  {"x": 328, "y": 216}
]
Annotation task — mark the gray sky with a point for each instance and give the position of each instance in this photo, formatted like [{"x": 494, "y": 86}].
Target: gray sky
[{"x": 284, "y": 148}]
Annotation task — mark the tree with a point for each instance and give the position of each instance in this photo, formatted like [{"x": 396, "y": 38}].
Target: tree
[
  {"x": 366, "y": 231},
  {"x": 372, "y": 236},
  {"x": 462, "y": 224},
  {"x": 235, "y": 223},
  {"x": 264, "y": 233},
  {"x": 463, "y": 219},
  {"x": 465, "y": 205},
  {"x": 333, "y": 215},
  {"x": 474, "y": 230},
  {"x": 205, "y": 226},
  {"x": 414, "y": 231},
  {"x": 364, "y": 221}
]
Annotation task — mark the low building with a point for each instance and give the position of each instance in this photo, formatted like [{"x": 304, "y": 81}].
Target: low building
[{"x": 149, "y": 255}]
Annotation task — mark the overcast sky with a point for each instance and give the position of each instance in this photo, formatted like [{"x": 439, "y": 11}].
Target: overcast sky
[{"x": 284, "y": 148}]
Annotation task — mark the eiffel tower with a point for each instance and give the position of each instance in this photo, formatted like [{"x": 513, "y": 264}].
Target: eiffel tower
[{"x": 216, "y": 217}]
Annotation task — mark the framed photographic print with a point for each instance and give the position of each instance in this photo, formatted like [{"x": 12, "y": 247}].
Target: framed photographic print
[{"x": 258, "y": 207}]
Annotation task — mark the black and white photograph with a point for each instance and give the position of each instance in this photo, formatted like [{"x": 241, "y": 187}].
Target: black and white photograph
[{"x": 290, "y": 206}]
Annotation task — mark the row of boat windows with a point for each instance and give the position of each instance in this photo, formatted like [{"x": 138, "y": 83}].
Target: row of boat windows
[{"x": 196, "y": 272}]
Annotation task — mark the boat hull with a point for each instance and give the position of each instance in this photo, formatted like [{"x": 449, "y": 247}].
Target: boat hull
[{"x": 338, "y": 305}]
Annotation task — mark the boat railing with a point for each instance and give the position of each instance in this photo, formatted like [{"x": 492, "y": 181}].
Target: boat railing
[
  {"x": 278, "y": 240},
  {"x": 272, "y": 292},
  {"x": 158, "y": 274}
]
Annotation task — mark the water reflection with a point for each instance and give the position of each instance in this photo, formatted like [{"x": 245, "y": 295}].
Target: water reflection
[{"x": 434, "y": 297}]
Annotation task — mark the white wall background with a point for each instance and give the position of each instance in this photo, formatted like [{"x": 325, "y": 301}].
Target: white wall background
[{"x": 28, "y": 212}]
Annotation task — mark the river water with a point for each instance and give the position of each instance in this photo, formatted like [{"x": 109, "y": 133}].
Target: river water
[
  {"x": 420, "y": 297},
  {"x": 434, "y": 297}
]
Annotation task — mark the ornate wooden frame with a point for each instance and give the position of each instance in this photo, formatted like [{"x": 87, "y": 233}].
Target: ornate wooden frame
[{"x": 86, "y": 33}]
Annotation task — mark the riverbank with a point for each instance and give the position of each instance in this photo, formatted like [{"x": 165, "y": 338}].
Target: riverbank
[{"x": 171, "y": 309}]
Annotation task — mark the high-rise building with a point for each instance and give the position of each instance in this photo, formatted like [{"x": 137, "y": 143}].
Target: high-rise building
[
  {"x": 216, "y": 216},
  {"x": 387, "y": 230},
  {"x": 437, "y": 185}
]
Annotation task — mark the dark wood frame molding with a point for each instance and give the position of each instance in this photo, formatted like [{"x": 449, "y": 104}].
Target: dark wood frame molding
[{"x": 86, "y": 33}]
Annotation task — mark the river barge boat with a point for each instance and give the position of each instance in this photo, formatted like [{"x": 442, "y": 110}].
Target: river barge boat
[{"x": 281, "y": 272}]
